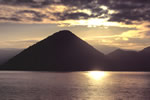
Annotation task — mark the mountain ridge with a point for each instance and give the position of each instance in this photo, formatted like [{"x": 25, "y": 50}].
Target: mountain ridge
[
  {"x": 130, "y": 60},
  {"x": 60, "y": 51},
  {"x": 64, "y": 51}
]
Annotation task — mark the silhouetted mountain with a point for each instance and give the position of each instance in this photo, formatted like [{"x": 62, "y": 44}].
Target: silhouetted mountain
[
  {"x": 7, "y": 53},
  {"x": 146, "y": 50},
  {"x": 130, "y": 60},
  {"x": 123, "y": 59},
  {"x": 63, "y": 51},
  {"x": 145, "y": 56},
  {"x": 106, "y": 49}
]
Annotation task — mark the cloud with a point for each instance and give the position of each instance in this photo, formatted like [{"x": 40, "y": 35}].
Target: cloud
[
  {"x": 135, "y": 38},
  {"x": 31, "y": 15},
  {"x": 18, "y": 43},
  {"x": 50, "y": 11},
  {"x": 42, "y": 11},
  {"x": 30, "y": 3},
  {"x": 120, "y": 42},
  {"x": 127, "y": 11},
  {"x": 130, "y": 10},
  {"x": 92, "y": 13},
  {"x": 125, "y": 8},
  {"x": 10, "y": 19},
  {"x": 72, "y": 16}
]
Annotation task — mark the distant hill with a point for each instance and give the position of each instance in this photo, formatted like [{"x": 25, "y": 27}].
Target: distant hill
[
  {"x": 106, "y": 49},
  {"x": 130, "y": 60},
  {"x": 62, "y": 51},
  {"x": 7, "y": 53},
  {"x": 145, "y": 56}
]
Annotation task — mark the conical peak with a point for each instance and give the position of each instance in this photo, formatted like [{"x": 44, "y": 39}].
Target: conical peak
[
  {"x": 63, "y": 33},
  {"x": 63, "y": 36}
]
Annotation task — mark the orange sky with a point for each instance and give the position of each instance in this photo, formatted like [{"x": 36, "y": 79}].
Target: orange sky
[{"x": 117, "y": 23}]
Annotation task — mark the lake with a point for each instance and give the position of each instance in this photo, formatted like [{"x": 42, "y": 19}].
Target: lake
[{"x": 90, "y": 85}]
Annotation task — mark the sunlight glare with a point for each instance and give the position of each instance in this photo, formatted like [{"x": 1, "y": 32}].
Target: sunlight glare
[{"x": 96, "y": 74}]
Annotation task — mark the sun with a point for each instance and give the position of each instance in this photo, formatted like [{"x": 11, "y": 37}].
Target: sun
[{"x": 96, "y": 74}]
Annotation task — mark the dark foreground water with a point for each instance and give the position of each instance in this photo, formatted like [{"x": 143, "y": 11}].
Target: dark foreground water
[{"x": 20, "y": 85}]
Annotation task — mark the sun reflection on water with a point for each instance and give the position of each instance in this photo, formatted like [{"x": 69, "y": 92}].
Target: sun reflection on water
[{"x": 96, "y": 75}]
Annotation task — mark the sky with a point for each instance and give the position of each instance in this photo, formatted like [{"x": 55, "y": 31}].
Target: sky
[{"x": 114, "y": 23}]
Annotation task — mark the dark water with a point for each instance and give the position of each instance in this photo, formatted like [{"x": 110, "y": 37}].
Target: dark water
[{"x": 19, "y": 85}]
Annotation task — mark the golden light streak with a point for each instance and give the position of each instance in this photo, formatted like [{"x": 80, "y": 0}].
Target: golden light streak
[
  {"x": 87, "y": 11},
  {"x": 104, "y": 7},
  {"x": 92, "y": 22}
]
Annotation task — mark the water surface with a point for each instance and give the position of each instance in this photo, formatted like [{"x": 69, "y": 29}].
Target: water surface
[{"x": 27, "y": 85}]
